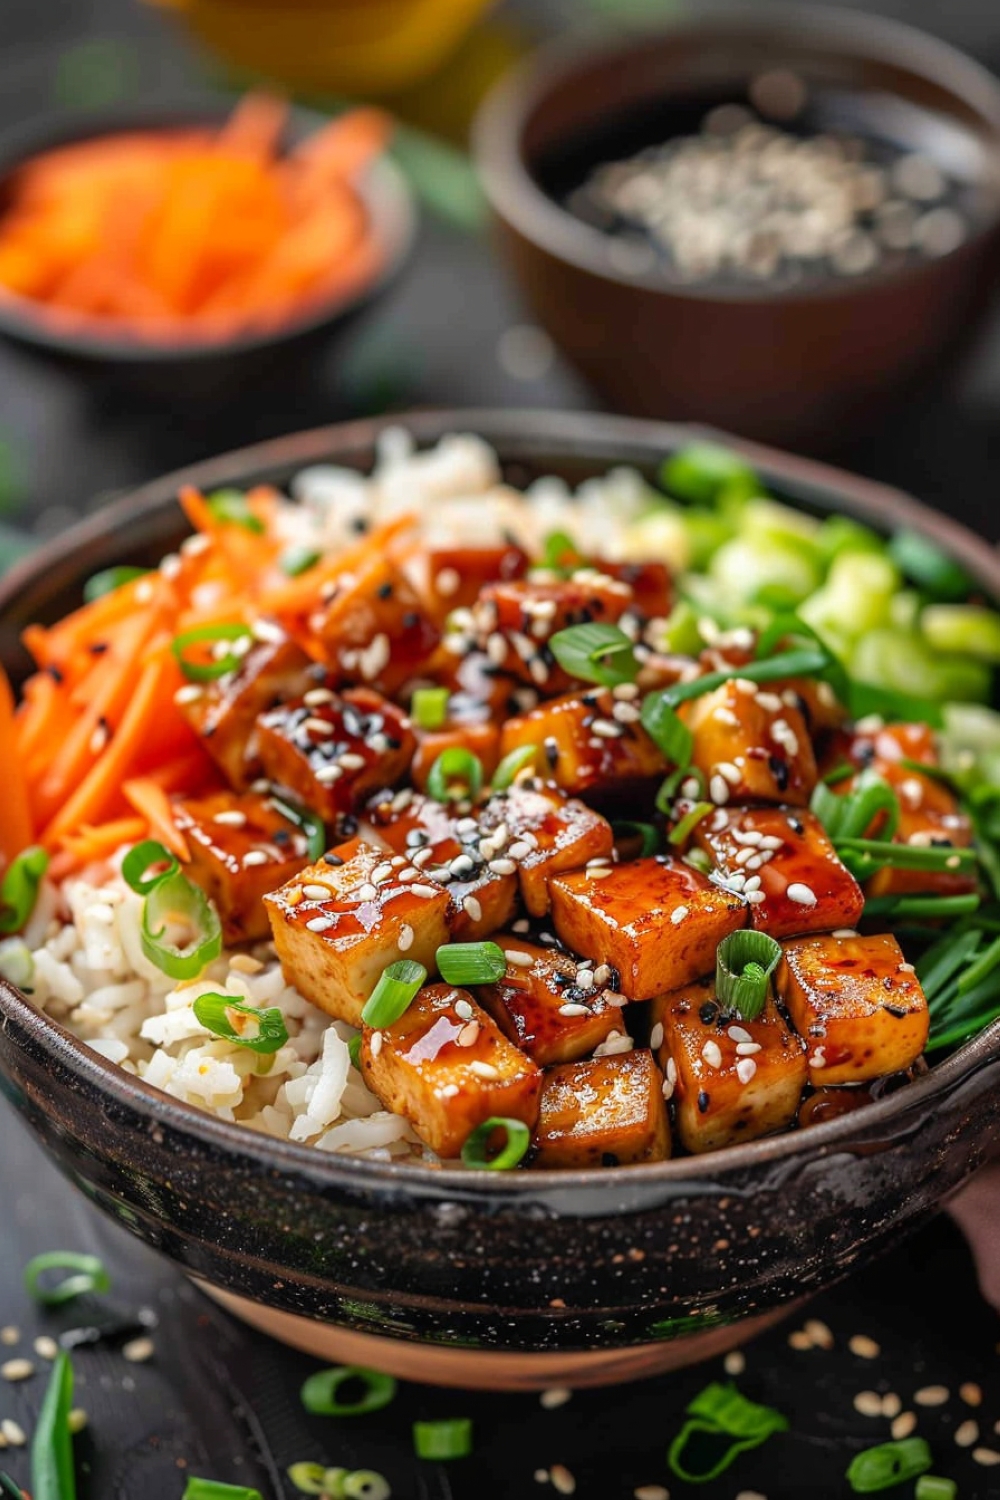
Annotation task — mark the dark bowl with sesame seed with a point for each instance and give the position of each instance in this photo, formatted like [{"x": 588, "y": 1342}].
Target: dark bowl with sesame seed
[
  {"x": 778, "y": 219},
  {"x": 518, "y": 1279}
]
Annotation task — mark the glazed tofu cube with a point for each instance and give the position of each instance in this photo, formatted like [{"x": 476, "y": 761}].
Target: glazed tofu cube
[
  {"x": 732, "y": 1080},
  {"x": 750, "y": 745},
  {"x": 223, "y": 713},
  {"x": 541, "y": 1006},
  {"x": 588, "y": 745},
  {"x": 341, "y": 921},
  {"x": 455, "y": 575},
  {"x": 650, "y": 582},
  {"x": 858, "y": 1004},
  {"x": 334, "y": 749},
  {"x": 656, "y": 922},
  {"x": 447, "y": 1067},
  {"x": 794, "y": 881},
  {"x": 241, "y": 848},
  {"x": 604, "y": 1112},
  {"x": 444, "y": 847},
  {"x": 482, "y": 740},
  {"x": 513, "y": 622},
  {"x": 374, "y": 629},
  {"x": 546, "y": 833}
]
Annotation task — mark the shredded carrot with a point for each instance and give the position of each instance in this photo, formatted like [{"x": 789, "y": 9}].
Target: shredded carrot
[
  {"x": 90, "y": 845},
  {"x": 151, "y": 801},
  {"x": 15, "y": 817}
]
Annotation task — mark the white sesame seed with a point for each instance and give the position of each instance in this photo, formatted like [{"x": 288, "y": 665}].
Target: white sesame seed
[
  {"x": 799, "y": 1340},
  {"x": 447, "y": 582},
  {"x": 967, "y": 1433},
  {"x": 729, "y": 772},
  {"x": 382, "y": 873},
  {"x": 803, "y": 895},
  {"x": 746, "y": 854},
  {"x": 518, "y": 957},
  {"x": 748, "y": 1049},
  {"x": 189, "y": 693},
  {"x": 99, "y": 738},
  {"x": 891, "y": 1405},
  {"x": 317, "y": 696},
  {"x": 769, "y": 702},
  {"x": 771, "y": 842},
  {"x": 932, "y": 1395},
  {"x": 325, "y": 774},
  {"x": 143, "y": 591},
  {"x": 745, "y": 1069},
  {"x": 483, "y": 1069},
  {"x": 988, "y": 1457},
  {"x": 520, "y": 850},
  {"x": 868, "y": 1403},
  {"x": 193, "y": 545},
  {"x": 712, "y": 1054},
  {"x": 77, "y": 1420},
  {"x": 557, "y": 1396},
  {"x": 671, "y": 1070},
  {"x": 231, "y": 818},
  {"x": 541, "y": 1476},
  {"x": 351, "y": 762},
  {"x": 463, "y": 1010},
  {"x": 585, "y": 978},
  {"x": 366, "y": 892},
  {"x": 678, "y": 914},
  {"x": 316, "y": 892},
  {"x": 425, "y": 890},
  {"x": 819, "y": 1332},
  {"x": 572, "y": 1009},
  {"x": 376, "y": 1043},
  {"x": 405, "y": 939},
  {"x": 656, "y": 1036},
  {"x": 450, "y": 1091},
  {"x": 718, "y": 790},
  {"x": 321, "y": 924},
  {"x": 137, "y": 1351},
  {"x": 13, "y": 1432},
  {"x": 472, "y": 908},
  {"x": 17, "y": 1369},
  {"x": 735, "y": 1362},
  {"x": 903, "y": 1425},
  {"x": 502, "y": 867},
  {"x": 9, "y": 1335},
  {"x": 613, "y": 1044},
  {"x": 562, "y": 1480},
  {"x": 971, "y": 1393},
  {"x": 738, "y": 1034},
  {"x": 45, "y": 1347},
  {"x": 863, "y": 1346},
  {"x": 651, "y": 1492}
]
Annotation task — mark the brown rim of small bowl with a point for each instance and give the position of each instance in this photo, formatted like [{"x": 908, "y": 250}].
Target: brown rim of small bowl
[
  {"x": 514, "y": 194},
  {"x": 585, "y": 432},
  {"x": 382, "y": 188}
]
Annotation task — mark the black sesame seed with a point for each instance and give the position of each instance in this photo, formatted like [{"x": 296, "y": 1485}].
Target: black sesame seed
[
  {"x": 98, "y": 648},
  {"x": 899, "y": 1011},
  {"x": 333, "y": 860},
  {"x": 411, "y": 620},
  {"x": 778, "y": 767},
  {"x": 384, "y": 591},
  {"x": 608, "y": 1159},
  {"x": 360, "y": 524},
  {"x": 55, "y": 674},
  {"x": 708, "y": 1014},
  {"x": 703, "y": 1102}
]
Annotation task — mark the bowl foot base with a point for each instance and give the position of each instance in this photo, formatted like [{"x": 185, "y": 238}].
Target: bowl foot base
[{"x": 484, "y": 1369}]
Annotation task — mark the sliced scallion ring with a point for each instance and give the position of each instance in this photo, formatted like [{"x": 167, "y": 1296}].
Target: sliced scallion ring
[
  {"x": 144, "y": 857},
  {"x": 471, "y": 963},
  {"x": 477, "y": 1149},
  {"x": 665, "y": 729},
  {"x": 514, "y": 762},
  {"x": 309, "y": 822},
  {"x": 89, "y": 1274},
  {"x": 320, "y": 1393},
  {"x": 209, "y": 635},
  {"x": 233, "y": 507},
  {"x": 888, "y": 1464},
  {"x": 365, "y": 1484},
  {"x": 443, "y": 1440},
  {"x": 686, "y": 826},
  {"x": 744, "y": 963},
  {"x": 262, "y": 1031},
  {"x": 176, "y": 899},
  {"x": 456, "y": 773},
  {"x": 596, "y": 653},
  {"x": 397, "y": 987},
  {"x": 19, "y": 887},
  {"x": 309, "y": 1479},
  {"x": 429, "y": 707},
  {"x": 108, "y": 580}
]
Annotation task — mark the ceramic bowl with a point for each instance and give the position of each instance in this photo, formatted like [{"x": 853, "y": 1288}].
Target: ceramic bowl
[
  {"x": 504, "y": 1279},
  {"x": 794, "y": 366}
]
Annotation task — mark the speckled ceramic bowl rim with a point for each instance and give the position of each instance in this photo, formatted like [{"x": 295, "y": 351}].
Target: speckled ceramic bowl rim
[
  {"x": 382, "y": 188},
  {"x": 598, "y": 439},
  {"x": 517, "y": 197}
]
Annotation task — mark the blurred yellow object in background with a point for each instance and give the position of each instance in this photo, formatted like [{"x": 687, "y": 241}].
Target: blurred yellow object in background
[{"x": 359, "y": 47}]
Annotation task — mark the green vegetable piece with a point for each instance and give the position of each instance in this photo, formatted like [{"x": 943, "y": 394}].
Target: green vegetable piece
[
  {"x": 456, "y": 774},
  {"x": 365, "y": 1484},
  {"x": 722, "y": 1410},
  {"x": 682, "y": 830},
  {"x": 927, "y": 565},
  {"x": 320, "y": 1396},
  {"x": 213, "y": 1489},
  {"x": 477, "y": 1151},
  {"x": 263, "y": 1031},
  {"x": 397, "y": 986},
  {"x": 680, "y": 631},
  {"x": 89, "y": 1275},
  {"x": 308, "y": 1479},
  {"x": 443, "y": 1440},
  {"x": 52, "y": 1472},
  {"x": 430, "y": 707},
  {"x": 516, "y": 760},
  {"x": 702, "y": 473},
  {"x": 175, "y": 901},
  {"x": 648, "y": 833},
  {"x": 298, "y": 560},
  {"x": 744, "y": 963},
  {"x": 596, "y": 653},
  {"x": 209, "y": 635},
  {"x": 903, "y": 663},
  {"x": 888, "y": 1464},
  {"x": 310, "y": 824},
  {"x": 108, "y": 580},
  {"x": 471, "y": 963},
  {"x": 967, "y": 628},
  {"x": 839, "y": 534},
  {"x": 8, "y": 1489},
  {"x": 934, "y": 1487},
  {"x": 748, "y": 565},
  {"x": 232, "y": 507},
  {"x": 142, "y": 858},
  {"x": 354, "y": 1048},
  {"x": 663, "y": 726},
  {"x": 19, "y": 887}
]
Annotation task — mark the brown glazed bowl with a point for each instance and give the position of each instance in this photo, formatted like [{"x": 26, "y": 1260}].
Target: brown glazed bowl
[
  {"x": 519, "y": 1278},
  {"x": 791, "y": 367}
]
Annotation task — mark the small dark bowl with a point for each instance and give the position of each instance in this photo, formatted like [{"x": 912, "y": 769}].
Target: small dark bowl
[
  {"x": 796, "y": 366},
  {"x": 476, "y": 1277},
  {"x": 192, "y": 369}
]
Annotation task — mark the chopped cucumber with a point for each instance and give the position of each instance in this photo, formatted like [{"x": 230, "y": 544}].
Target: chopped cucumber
[
  {"x": 702, "y": 473},
  {"x": 902, "y": 662},
  {"x": 749, "y": 564},
  {"x": 963, "y": 627}
]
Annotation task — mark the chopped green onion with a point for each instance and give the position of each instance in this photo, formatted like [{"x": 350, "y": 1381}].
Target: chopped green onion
[
  {"x": 699, "y": 859},
  {"x": 397, "y": 987},
  {"x": 231, "y": 506},
  {"x": 110, "y": 579},
  {"x": 471, "y": 963},
  {"x": 141, "y": 859},
  {"x": 320, "y": 1396},
  {"x": 455, "y": 765},
  {"x": 670, "y": 788},
  {"x": 354, "y": 1048},
  {"x": 744, "y": 963},
  {"x": 963, "y": 627},
  {"x": 89, "y": 1275},
  {"x": 626, "y": 829},
  {"x": 703, "y": 473},
  {"x": 681, "y": 632},
  {"x": 309, "y": 822},
  {"x": 806, "y": 661},
  {"x": 934, "y": 907},
  {"x": 430, "y": 707},
  {"x": 365, "y": 1484},
  {"x": 934, "y": 1487},
  {"x": 866, "y": 698},
  {"x": 723, "y": 1411},
  {"x": 789, "y": 627},
  {"x": 177, "y": 900},
  {"x": 443, "y": 1440},
  {"x": 848, "y": 815},
  {"x": 204, "y": 635},
  {"x": 901, "y": 662},
  {"x": 52, "y": 1472},
  {"x": 984, "y": 965},
  {"x": 596, "y": 653},
  {"x": 515, "y": 761},
  {"x": 9, "y": 1489},
  {"x": 19, "y": 887},
  {"x": 864, "y": 856},
  {"x": 298, "y": 560},
  {"x": 560, "y": 552},
  {"x": 888, "y": 1464},
  {"x": 221, "y": 1015},
  {"x": 925, "y": 563},
  {"x": 680, "y": 832},
  {"x": 671, "y": 736},
  {"x": 477, "y": 1153},
  {"x": 213, "y": 1489},
  {"x": 309, "y": 1479}
]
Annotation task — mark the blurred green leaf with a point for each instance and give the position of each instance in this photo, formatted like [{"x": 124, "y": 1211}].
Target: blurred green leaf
[
  {"x": 442, "y": 177},
  {"x": 99, "y": 71}
]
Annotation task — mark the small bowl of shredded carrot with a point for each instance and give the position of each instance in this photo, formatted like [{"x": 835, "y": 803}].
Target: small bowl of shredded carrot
[{"x": 137, "y": 241}]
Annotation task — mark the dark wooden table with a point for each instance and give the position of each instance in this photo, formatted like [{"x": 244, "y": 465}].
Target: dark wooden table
[{"x": 217, "y": 1400}]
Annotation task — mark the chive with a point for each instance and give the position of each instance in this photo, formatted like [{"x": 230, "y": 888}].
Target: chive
[
  {"x": 806, "y": 661},
  {"x": 925, "y": 563},
  {"x": 176, "y": 899},
  {"x": 596, "y": 653},
  {"x": 89, "y": 1275},
  {"x": 52, "y": 1472},
  {"x": 455, "y": 765},
  {"x": 849, "y": 815},
  {"x": 232, "y": 507},
  {"x": 942, "y": 962},
  {"x": 397, "y": 986},
  {"x": 703, "y": 473},
  {"x": 298, "y": 560},
  {"x": 895, "y": 907},
  {"x": 670, "y": 735},
  {"x": 647, "y": 832},
  {"x": 207, "y": 635},
  {"x": 935, "y": 1487},
  {"x": 864, "y": 856},
  {"x": 308, "y": 822},
  {"x": 365, "y": 1484},
  {"x": 429, "y": 707},
  {"x": 9, "y": 1489},
  {"x": 477, "y": 1149},
  {"x": 866, "y": 698},
  {"x": 443, "y": 1440},
  {"x": 471, "y": 963},
  {"x": 515, "y": 761},
  {"x": 19, "y": 887},
  {"x": 680, "y": 832},
  {"x": 744, "y": 963},
  {"x": 213, "y": 1489},
  {"x": 319, "y": 1394},
  {"x": 219, "y": 1014},
  {"x": 142, "y": 858},
  {"x": 110, "y": 579},
  {"x": 888, "y": 1464}
]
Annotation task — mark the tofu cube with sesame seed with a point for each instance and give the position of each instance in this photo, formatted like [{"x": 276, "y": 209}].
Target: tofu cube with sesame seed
[
  {"x": 456, "y": 575},
  {"x": 650, "y": 582},
  {"x": 344, "y": 919},
  {"x": 857, "y": 1003},
  {"x": 786, "y": 867},
  {"x": 514, "y": 622},
  {"x": 657, "y": 922},
  {"x": 750, "y": 746},
  {"x": 447, "y": 1067},
  {"x": 240, "y": 848},
  {"x": 481, "y": 740},
  {"x": 444, "y": 847},
  {"x": 545, "y": 1008},
  {"x": 603, "y": 1112},
  {"x": 334, "y": 749},
  {"x": 373, "y": 629},
  {"x": 544, "y": 833},
  {"x": 223, "y": 713},
  {"x": 590, "y": 745},
  {"x": 731, "y": 1080}
]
